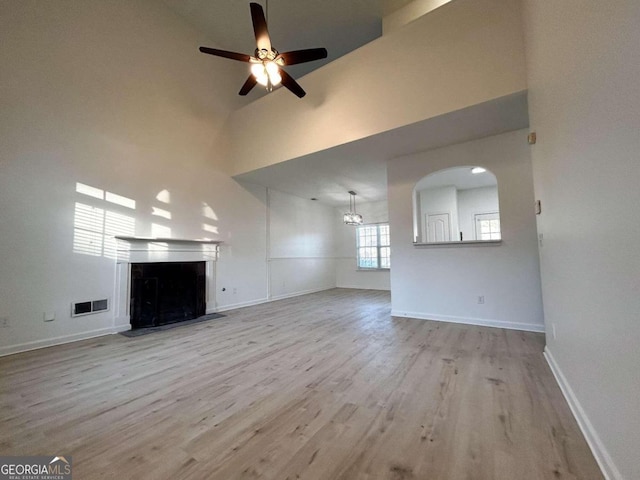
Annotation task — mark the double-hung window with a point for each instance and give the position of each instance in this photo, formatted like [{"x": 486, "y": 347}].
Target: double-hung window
[
  {"x": 373, "y": 246},
  {"x": 487, "y": 226}
]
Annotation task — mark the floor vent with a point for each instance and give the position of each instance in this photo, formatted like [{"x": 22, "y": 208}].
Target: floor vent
[{"x": 86, "y": 308}]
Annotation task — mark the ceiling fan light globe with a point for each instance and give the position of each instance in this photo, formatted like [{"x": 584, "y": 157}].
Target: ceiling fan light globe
[
  {"x": 271, "y": 67},
  {"x": 262, "y": 79},
  {"x": 275, "y": 78},
  {"x": 257, "y": 69}
]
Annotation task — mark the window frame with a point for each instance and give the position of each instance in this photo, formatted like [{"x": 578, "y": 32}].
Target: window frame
[
  {"x": 477, "y": 220},
  {"x": 378, "y": 246}
]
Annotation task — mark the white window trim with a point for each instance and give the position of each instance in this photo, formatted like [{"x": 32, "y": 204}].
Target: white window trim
[
  {"x": 378, "y": 246},
  {"x": 475, "y": 225}
]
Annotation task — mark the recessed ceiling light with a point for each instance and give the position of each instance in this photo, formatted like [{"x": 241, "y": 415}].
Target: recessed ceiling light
[{"x": 476, "y": 170}]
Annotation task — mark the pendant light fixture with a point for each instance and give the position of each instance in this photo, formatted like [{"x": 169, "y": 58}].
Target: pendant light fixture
[{"x": 351, "y": 217}]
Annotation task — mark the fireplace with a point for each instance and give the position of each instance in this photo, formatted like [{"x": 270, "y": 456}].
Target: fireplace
[
  {"x": 167, "y": 292},
  {"x": 144, "y": 296}
]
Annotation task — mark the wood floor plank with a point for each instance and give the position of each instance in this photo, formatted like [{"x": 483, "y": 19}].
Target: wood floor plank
[{"x": 326, "y": 386}]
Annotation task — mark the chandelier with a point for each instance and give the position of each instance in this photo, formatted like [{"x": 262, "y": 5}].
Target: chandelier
[{"x": 351, "y": 217}]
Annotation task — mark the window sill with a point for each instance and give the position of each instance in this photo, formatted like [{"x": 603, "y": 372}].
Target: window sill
[
  {"x": 372, "y": 269},
  {"x": 464, "y": 243}
]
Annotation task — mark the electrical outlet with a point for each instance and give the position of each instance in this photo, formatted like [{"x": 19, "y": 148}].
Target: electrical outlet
[
  {"x": 540, "y": 238},
  {"x": 235, "y": 290},
  {"x": 553, "y": 330},
  {"x": 481, "y": 300},
  {"x": 4, "y": 322}
]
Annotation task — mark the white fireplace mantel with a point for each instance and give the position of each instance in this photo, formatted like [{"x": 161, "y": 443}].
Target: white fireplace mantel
[
  {"x": 144, "y": 250},
  {"x": 167, "y": 240},
  {"x": 150, "y": 250}
]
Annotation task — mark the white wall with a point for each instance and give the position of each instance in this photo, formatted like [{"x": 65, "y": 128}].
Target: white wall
[
  {"x": 114, "y": 96},
  {"x": 443, "y": 283},
  {"x": 584, "y": 100},
  {"x": 347, "y": 274},
  {"x": 409, "y": 13},
  {"x": 471, "y": 202},
  {"x": 462, "y": 54},
  {"x": 302, "y": 245}
]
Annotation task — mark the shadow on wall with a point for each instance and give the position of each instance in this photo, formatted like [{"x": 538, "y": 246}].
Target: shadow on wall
[
  {"x": 100, "y": 216},
  {"x": 96, "y": 221}
]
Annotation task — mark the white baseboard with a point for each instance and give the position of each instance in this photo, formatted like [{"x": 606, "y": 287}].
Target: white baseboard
[
  {"x": 482, "y": 322},
  {"x": 233, "y": 306},
  {"x": 302, "y": 292},
  {"x": 605, "y": 462},
  {"x": 260, "y": 301},
  {"x": 360, "y": 287},
  {"x": 50, "y": 342}
]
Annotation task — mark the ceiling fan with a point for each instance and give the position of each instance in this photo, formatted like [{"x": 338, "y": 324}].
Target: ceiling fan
[{"x": 267, "y": 61}]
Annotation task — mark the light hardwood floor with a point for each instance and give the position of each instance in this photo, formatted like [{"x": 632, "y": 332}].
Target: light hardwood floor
[{"x": 324, "y": 386}]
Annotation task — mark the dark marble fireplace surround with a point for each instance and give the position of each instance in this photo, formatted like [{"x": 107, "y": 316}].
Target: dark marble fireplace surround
[{"x": 167, "y": 292}]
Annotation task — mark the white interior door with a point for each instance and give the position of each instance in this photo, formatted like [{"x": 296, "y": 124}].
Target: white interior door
[{"x": 438, "y": 227}]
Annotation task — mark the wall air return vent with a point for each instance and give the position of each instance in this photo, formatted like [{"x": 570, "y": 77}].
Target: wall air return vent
[{"x": 86, "y": 308}]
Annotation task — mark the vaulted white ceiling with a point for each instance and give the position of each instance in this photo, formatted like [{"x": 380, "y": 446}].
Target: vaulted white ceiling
[{"x": 341, "y": 27}]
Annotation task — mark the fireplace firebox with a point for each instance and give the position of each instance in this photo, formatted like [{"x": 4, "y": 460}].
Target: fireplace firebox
[{"x": 167, "y": 292}]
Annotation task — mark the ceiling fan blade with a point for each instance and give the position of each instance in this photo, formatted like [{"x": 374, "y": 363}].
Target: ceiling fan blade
[
  {"x": 248, "y": 85},
  {"x": 241, "y": 57},
  {"x": 291, "y": 84},
  {"x": 260, "y": 27},
  {"x": 302, "y": 56}
]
